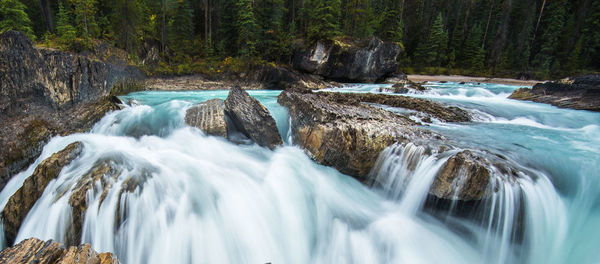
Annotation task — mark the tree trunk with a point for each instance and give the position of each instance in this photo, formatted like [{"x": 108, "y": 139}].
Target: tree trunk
[
  {"x": 206, "y": 22},
  {"x": 487, "y": 24},
  {"x": 162, "y": 32},
  {"x": 47, "y": 14},
  {"x": 538, "y": 22}
]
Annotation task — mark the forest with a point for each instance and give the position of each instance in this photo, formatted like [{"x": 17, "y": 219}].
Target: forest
[{"x": 510, "y": 38}]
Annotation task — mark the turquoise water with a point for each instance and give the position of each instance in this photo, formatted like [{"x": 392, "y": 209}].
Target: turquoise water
[{"x": 202, "y": 199}]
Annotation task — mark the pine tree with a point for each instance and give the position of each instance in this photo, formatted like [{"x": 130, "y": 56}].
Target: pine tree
[
  {"x": 432, "y": 52},
  {"x": 126, "y": 20},
  {"x": 324, "y": 20},
  {"x": 553, "y": 21},
  {"x": 358, "y": 22},
  {"x": 85, "y": 12},
  {"x": 274, "y": 42},
  {"x": 227, "y": 44},
  {"x": 390, "y": 26},
  {"x": 181, "y": 27},
  {"x": 64, "y": 29},
  {"x": 247, "y": 29},
  {"x": 590, "y": 48},
  {"x": 13, "y": 17},
  {"x": 473, "y": 53}
]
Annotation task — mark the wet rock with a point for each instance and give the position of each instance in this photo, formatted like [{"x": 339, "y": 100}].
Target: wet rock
[
  {"x": 360, "y": 61},
  {"x": 251, "y": 118},
  {"x": 343, "y": 133},
  {"x": 55, "y": 92},
  {"x": 23, "y": 200},
  {"x": 101, "y": 172},
  {"x": 33, "y": 250},
  {"x": 581, "y": 93},
  {"x": 209, "y": 116},
  {"x": 431, "y": 108},
  {"x": 465, "y": 176}
]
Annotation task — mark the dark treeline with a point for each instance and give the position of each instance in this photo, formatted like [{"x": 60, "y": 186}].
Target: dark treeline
[{"x": 532, "y": 37}]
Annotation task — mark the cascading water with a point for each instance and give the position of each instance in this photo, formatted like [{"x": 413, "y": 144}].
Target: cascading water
[{"x": 175, "y": 195}]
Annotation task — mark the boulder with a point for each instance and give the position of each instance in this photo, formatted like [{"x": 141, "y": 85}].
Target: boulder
[
  {"x": 340, "y": 130},
  {"x": 33, "y": 250},
  {"x": 251, "y": 118},
  {"x": 360, "y": 61},
  {"x": 208, "y": 116},
  {"x": 343, "y": 133},
  {"x": 581, "y": 93},
  {"x": 22, "y": 200},
  {"x": 465, "y": 176},
  {"x": 53, "y": 93}
]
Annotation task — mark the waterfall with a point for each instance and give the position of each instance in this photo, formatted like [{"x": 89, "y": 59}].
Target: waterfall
[{"x": 169, "y": 193}]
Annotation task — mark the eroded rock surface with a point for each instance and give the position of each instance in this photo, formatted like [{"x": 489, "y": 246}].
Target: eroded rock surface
[
  {"x": 44, "y": 93},
  {"x": 252, "y": 118},
  {"x": 362, "y": 61},
  {"x": 464, "y": 176},
  {"x": 33, "y": 250},
  {"x": 582, "y": 93},
  {"x": 23, "y": 200},
  {"x": 209, "y": 116}
]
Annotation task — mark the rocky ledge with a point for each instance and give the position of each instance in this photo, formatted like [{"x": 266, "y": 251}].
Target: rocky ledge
[
  {"x": 342, "y": 131},
  {"x": 33, "y": 250},
  {"x": 47, "y": 92},
  {"x": 582, "y": 93},
  {"x": 367, "y": 61}
]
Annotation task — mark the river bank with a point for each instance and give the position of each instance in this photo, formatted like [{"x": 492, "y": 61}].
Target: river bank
[{"x": 461, "y": 78}]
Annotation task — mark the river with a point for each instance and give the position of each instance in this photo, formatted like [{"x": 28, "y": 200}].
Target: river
[{"x": 202, "y": 199}]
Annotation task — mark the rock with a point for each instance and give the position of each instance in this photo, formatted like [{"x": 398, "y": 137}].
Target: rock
[
  {"x": 431, "y": 108},
  {"x": 209, "y": 116},
  {"x": 582, "y": 93},
  {"x": 47, "y": 92},
  {"x": 284, "y": 78},
  {"x": 464, "y": 176},
  {"x": 343, "y": 133},
  {"x": 340, "y": 130},
  {"x": 251, "y": 118},
  {"x": 33, "y": 250},
  {"x": 22, "y": 200},
  {"x": 363, "y": 61}
]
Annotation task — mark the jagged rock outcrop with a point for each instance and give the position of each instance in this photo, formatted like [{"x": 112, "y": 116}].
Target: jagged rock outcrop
[
  {"x": 209, "y": 116},
  {"x": 33, "y": 250},
  {"x": 251, "y": 118},
  {"x": 363, "y": 61},
  {"x": 581, "y": 93},
  {"x": 341, "y": 131},
  {"x": 47, "y": 92},
  {"x": 430, "y": 108},
  {"x": 22, "y": 200}
]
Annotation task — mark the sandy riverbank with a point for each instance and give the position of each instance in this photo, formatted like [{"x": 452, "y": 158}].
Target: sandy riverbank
[{"x": 459, "y": 78}]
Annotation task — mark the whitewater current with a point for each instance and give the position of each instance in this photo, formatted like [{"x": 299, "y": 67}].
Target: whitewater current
[{"x": 202, "y": 199}]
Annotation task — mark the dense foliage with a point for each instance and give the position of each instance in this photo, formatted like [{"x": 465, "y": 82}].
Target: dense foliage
[{"x": 528, "y": 38}]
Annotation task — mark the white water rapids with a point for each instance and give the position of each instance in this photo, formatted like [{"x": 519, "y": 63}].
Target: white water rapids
[{"x": 202, "y": 199}]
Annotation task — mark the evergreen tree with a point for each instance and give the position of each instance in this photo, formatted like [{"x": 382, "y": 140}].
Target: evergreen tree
[
  {"x": 247, "y": 29},
  {"x": 126, "y": 20},
  {"x": 553, "y": 21},
  {"x": 274, "y": 43},
  {"x": 13, "y": 17},
  {"x": 590, "y": 46},
  {"x": 64, "y": 29},
  {"x": 181, "y": 26},
  {"x": 473, "y": 53},
  {"x": 358, "y": 19},
  {"x": 85, "y": 12},
  {"x": 227, "y": 44},
  {"x": 324, "y": 20},
  {"x": 432, "y": 52},
  {"x": 390, "y": 26}
]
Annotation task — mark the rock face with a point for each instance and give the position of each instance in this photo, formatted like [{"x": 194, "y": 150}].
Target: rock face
[
  {"x": 208, "y": 116},
  {"x": 464, "y": 176},
  {"x": 45, "y": 93},
  {"x": 33, "y": 250},
  {"x": 581, "y": 93},
  {"x": 364, "y": 61},
  {"x": 23, "y": 200},
  {"x": 343, "y": 133},
  {"x": 251, "y": 118}
]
